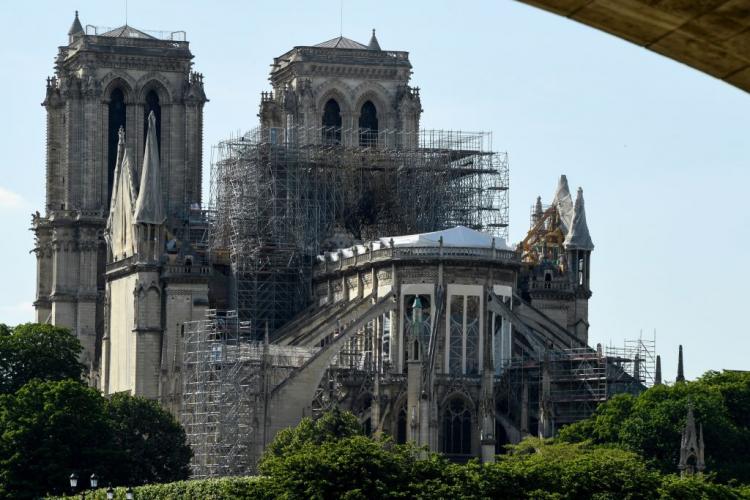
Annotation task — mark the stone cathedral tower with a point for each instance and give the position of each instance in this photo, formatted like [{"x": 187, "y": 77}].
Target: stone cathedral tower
[{"x": 105, "y": 80}]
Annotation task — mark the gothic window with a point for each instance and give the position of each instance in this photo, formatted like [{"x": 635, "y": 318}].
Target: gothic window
[
  {"x": 116, "y": 120},
  {"x": 455, "y": 343},
  {"x": 457, "y": 428},
  {"x": 368, "y": 125},
  {"x": 152, "y": 104},
  {"x": 401, "y": 419},
  {"x": 409, "y": 324},
  {"x": 463, "y": 335},
  {"x": 331, "y": 122},
  {"x": 368, "y": 345},
  {"x": 472, "y": 335},
  {"x": 386, "y": 337}
]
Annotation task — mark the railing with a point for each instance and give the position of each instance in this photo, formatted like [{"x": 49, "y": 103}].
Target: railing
[
  {"x": 337, "y": 262},
  {"x": 549, "y": 285},
  {"x": 174, "y": 36},
  {"x": 362, "y": 53},
  {"x": 187, "y": 269}
]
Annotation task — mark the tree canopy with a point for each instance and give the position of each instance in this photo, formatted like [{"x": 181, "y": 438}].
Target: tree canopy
[
  {"x": 38, "y": 351},
  {"x": 51, "y": 424},
  {"x": 149, "y": 445},
  {"x": 651, "y": 424},
  {"x": 316, "y": 461}
]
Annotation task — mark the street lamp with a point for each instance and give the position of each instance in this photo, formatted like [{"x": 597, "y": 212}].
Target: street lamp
[
  {"x": 93, "y": 481},
  {"x": 129, "y": 494},
  {"x": 110, "y": 493}
]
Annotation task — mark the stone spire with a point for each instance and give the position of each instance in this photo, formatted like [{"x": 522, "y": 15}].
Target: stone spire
[
  {"x": 657, "y": 376},
  {"x": 564, "y": 204},
  {"x": 373, "y": 45},
  {"x": 75, "y": 28},
  {"x": 692, "y": 460},
  {"x": 680, "y": 367},
  {"x": 149, "y": 208},
  {"x": 578, "y": 236}
]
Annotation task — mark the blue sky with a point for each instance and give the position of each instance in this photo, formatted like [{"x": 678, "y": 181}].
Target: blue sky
[{"x": 661, "y": 150}]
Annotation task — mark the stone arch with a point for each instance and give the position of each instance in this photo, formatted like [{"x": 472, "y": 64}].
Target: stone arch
[
  {"x": 457, "y": 393},
  {"x": 457, "y": 418},
  {"x": 157, "y": 82},
  {"x": 333, "y": 89},
  {"x": 149, "y": 306},
  {"x": 291, "y": 399},
  {"x": 378, "y": 100},
  {"x": 374, "y": 92},
  {"x": 117, "y": 79}
]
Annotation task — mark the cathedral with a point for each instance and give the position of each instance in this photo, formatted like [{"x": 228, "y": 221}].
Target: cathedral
[{"x": 344, "y": 258}]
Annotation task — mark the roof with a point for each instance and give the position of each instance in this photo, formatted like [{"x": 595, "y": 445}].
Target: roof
[
  {"x": 127, "y": 32},
  {"x": 76, "y": 27},
  {"x": 374, "y": 45},
  {"x": 342, "y": 42},
  {"x": 458, "y": 236},
  {"x": 578, "y": 237}
]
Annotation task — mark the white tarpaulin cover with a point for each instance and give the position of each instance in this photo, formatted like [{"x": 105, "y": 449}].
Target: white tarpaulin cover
[
  {"x": 120, "y": 220},
  {"x": 149, "y": 208},
  {"x": 458, "y": 236},
  {"x": 564, "y": 203}
]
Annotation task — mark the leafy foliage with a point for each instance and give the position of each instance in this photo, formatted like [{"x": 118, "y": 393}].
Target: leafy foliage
[
  {"x": 38, "y": 351},
  {"x": 149, "y": 445},
  {"x": 651, "y": 424},
  {"x": 51, "y": 424},
  {"x": 50, "y": 428},
  {"x": 330, "y": 458}
]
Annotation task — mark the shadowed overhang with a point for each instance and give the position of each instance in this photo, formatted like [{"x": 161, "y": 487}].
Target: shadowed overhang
[{"x": 712, "y": 36}]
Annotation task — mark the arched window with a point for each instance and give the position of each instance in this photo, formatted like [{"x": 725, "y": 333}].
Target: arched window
[
  {"x": 457, "y": 428},
  {"x": 401, "y": 425},
  {"x": 368, "y": 125},
  {"x": 116, "y": 120},
  {"x": 152, "y": 104},
  {"x": 332, "y": 122}
]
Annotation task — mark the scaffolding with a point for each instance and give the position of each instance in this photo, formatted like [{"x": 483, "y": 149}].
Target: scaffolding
[
  {"x": 635, "y": 362},
  {"x": 227, "y": 379},
  {"x": 280, "y": 197}
]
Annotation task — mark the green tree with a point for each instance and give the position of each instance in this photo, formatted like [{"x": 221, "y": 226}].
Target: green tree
[
  {"x": 35, "y": 351},
  {"x": 651, "y": 424},
  {"x": 150, "y": 445},
  {"x": 47, "y": 430},
  {"x": 331, "y": 426}
]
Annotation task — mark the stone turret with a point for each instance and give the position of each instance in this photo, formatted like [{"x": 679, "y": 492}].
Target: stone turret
[
  {"x": 692, "y": 460},
  {"x": 373, "y": 45},
  {"x": 342, "y": 92},
  {"x": 75, "y": 28}
]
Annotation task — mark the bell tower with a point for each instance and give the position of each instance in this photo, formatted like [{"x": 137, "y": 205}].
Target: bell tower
[{"x": 105, "y": 80}]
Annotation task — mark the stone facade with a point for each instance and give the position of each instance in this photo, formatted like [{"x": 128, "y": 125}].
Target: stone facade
[
  {"x": 358, "y": 91},
  {"x": 103, "y": 82}
]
